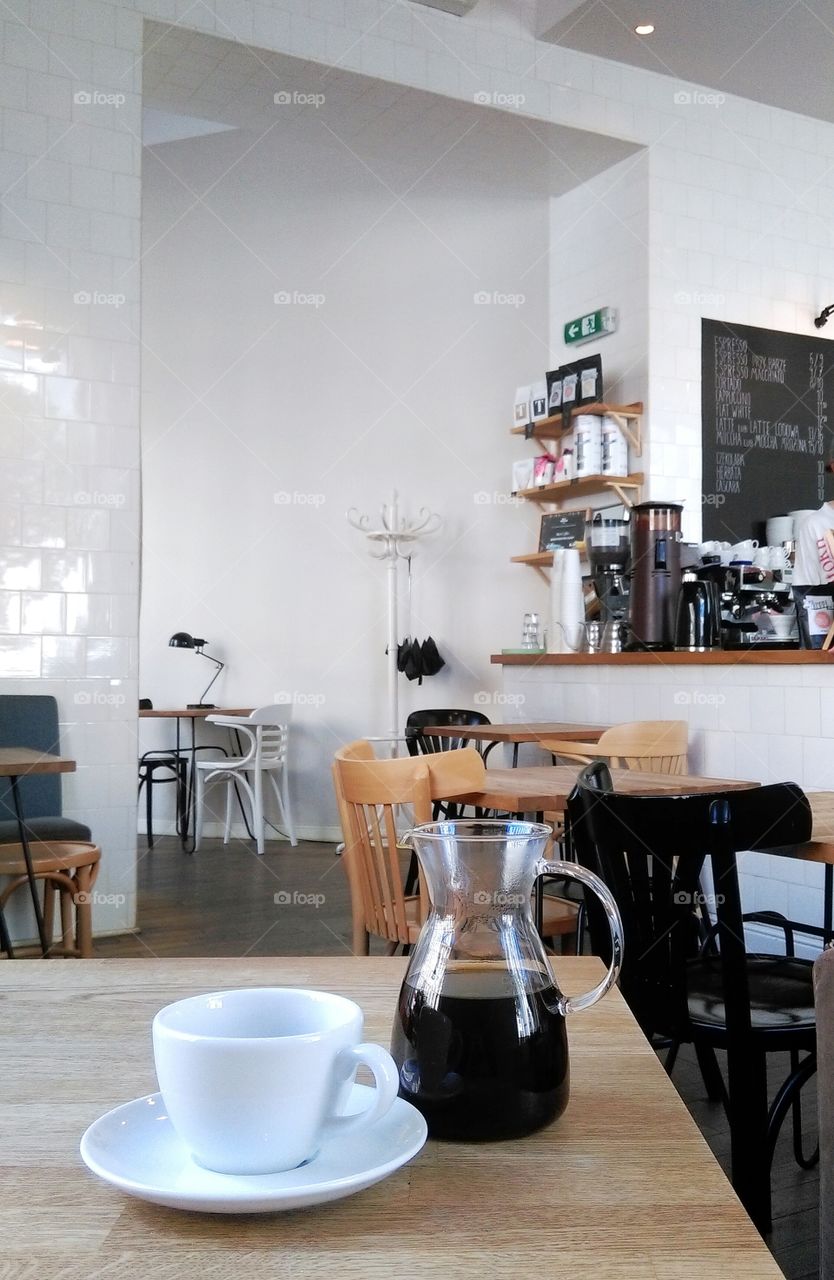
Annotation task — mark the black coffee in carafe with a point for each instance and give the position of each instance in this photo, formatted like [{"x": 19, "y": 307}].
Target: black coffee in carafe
[
  {"x": 479, "y": 1034},
  {"x": 489, "y": 1060}
]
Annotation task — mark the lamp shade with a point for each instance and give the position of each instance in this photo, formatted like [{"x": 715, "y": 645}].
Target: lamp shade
[{"x": 182, "y": 640}]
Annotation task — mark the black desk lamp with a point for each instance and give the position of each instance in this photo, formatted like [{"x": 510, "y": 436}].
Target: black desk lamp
[{"x": 182, "y": 640}]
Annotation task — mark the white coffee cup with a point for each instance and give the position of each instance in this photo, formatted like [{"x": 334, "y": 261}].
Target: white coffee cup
[
  {"x": 743, "y": 550},
  {"x": 255, "y": 1080},
  {"x": 782, "y": 624}
]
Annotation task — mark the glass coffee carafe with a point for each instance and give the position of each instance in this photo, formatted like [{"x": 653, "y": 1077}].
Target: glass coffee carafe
[{"x": 479, "y": 1035}]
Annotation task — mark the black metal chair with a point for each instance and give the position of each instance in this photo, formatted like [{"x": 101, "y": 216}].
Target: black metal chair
[
  {"x": 172, "y": 768},
  {"x": 687, "y": 979}
]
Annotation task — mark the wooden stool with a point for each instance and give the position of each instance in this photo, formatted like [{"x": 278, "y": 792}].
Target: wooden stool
[{"x": 68, "y": 869}]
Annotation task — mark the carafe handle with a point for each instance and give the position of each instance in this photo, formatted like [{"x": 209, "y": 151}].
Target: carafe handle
[{"x": 572, "y": 871}]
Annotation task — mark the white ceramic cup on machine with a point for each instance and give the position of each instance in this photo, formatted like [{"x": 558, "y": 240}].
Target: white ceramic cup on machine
[{"x": 255, "y": 1080}]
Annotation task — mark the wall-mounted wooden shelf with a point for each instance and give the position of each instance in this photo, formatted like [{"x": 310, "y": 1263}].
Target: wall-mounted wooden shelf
[
  {"x": 581, "y": 488},
  {"x": 553, "y": 428}
]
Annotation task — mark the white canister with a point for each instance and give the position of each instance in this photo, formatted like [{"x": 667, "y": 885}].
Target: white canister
[
  {"x": 614, "y": 449},
  {"x": 587, "y": 435}
]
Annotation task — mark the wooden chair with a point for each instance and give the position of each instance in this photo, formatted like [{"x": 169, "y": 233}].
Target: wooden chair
[
  {"x": 68, "y": 869},
  {"x": 655, "y": 746},
  {"x": 367, "y": 793}
]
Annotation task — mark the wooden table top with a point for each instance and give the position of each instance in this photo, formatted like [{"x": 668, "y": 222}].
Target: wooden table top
[
  {"x": 621, "y": 1186},
  {"x": 16, "y": 762},
  {"x": 547, "y": 787},
  {"x": 193, "y": 713},
  {"x": 530, "y": 732}
]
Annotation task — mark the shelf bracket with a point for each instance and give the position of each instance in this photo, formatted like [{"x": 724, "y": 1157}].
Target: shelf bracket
[
  {"x": 622, "y": 495},
  {"x": 634, "y": 437}
]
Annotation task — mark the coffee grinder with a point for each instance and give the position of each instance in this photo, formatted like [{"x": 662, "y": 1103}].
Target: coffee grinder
[
  {"x": 608, "y": 548},
  {"x": 655, "y": 574}
]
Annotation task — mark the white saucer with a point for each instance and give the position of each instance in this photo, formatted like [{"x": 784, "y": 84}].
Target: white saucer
[{"x": 136, "y": 1149}]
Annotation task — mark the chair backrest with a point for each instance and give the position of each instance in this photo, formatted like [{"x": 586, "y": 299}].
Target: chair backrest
[
  {"x": 650, "y": 851},
  {"x": 420, "y": 743},
  {"x": 31, "y": 720},
  {"x": 368, "y": 792},
  {"x": 824, "y": 1004},
  {"x": 655, "y": 746},
  {"x": 270, "y": 731}
]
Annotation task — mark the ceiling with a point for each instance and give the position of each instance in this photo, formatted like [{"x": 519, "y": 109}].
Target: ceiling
[
  {"x": 196, "y": 84},
  {"x": 776, "y": 51}
]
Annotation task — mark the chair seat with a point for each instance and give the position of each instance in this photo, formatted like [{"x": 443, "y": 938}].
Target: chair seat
[
  {"x": 781, "y": 993},
  {"x": 64, "y": 855},
  {"x": 57, "y": 828}
]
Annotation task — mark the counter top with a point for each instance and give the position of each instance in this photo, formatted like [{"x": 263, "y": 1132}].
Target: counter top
[{"x": 668, "y": 657}]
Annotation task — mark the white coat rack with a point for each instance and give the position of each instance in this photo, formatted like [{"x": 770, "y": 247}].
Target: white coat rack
[{"x": 394, "y": 532}]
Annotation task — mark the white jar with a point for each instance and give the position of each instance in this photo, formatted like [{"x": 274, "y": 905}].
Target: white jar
[
  {"x": 587, "y": 435},
  {"x": 614, "y": 449}
]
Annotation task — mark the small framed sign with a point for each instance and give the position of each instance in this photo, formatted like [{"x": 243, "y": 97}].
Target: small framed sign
[{"x": 562, "y": 529}]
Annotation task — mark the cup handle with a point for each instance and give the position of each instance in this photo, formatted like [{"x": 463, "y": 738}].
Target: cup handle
[
  {"x": 573, "y": 871},
  {"x": 386, "y": 1078}
]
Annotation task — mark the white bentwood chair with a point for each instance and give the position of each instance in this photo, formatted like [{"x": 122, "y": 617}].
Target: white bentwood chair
[{"x": 266, "y": 753}]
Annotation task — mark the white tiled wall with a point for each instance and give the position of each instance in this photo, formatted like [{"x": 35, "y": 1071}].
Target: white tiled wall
[
  {"x": 69, "y": 386},
  {"x": 739, "y": 196}
]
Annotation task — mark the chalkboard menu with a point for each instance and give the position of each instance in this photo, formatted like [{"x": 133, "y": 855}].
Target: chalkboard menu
[{"x": 766, "y": 436}]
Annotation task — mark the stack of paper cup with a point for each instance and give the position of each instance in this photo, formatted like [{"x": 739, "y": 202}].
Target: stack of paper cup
[
  {"x": 567, "y": 605},
  {"x": 555, "y": 635},
  {"x": 573, "y": 602}
]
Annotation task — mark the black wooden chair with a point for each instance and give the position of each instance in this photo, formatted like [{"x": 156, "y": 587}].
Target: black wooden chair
[
  {"x": 420, "y": 743},
  {"x": 689, "y": 980}
]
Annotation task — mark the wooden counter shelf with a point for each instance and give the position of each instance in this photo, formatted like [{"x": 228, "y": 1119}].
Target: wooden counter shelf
[
  {"x": 667, "y": 658},
  {"x": 582, "y": 487}
]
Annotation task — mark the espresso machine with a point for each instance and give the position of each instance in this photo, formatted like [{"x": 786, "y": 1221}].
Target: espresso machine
[
  {"x": 655, "y": 574},
  {"x": 608, "y": 548}
]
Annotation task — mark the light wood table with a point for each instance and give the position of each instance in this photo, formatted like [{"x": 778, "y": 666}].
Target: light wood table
[
  {"x": 541, "y": 788},
  {"x": 622, "y": 1187},
  {"x": 17, "y": 763},
  {"x": 533, "y": 731},
  {"x": 192, "y": 715}
]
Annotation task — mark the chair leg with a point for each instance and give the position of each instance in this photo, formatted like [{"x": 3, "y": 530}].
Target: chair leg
[
  {"x": 258, "y": 809},
  {"x": 49, "y": 912},
  {"x": 182, "y": 797},
  {"x": 710, "y": 1073},
  {"x": 198, "y": 815},
  {"x": 804, "y": 1162},
  {"x": 227, "y": 829},
  {"x": 748, "y": 1116},
  {"x": 149, "y": 809},
  {"x": 84, "y": 912}
]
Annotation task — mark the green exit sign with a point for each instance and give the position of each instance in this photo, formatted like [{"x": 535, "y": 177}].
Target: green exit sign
[{"x": 596, "y": 324}]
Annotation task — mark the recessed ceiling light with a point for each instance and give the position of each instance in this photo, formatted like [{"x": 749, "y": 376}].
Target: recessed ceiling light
[{"x": 644, "y": 29}]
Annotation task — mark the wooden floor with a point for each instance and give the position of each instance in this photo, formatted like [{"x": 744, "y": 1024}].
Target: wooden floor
[{"x": 230, "y": 902}]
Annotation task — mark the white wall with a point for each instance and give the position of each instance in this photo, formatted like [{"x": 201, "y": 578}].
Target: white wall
[
  {"x": 396, "y": 378},
  {"x": 599, "y": 257}
]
